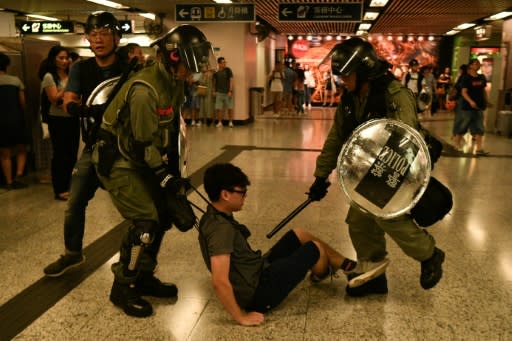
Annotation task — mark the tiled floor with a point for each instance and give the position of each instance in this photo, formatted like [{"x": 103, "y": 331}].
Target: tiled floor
[{"x": 473, "y": 301}]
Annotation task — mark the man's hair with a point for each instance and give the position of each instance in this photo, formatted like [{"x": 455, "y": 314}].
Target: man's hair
[
  {"x": 223, "y": 176},
  {"x": 4, "y": 61},
  {"x": 127, "y": 49},
  {"x": 220, "y": 60}
]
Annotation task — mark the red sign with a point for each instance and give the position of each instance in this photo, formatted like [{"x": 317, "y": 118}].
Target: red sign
[{"x": 300, "y": 48}]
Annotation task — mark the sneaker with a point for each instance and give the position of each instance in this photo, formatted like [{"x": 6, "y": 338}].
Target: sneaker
[
  {"x": 64, "y": 263},
  {"x": 198, "y": 124},
  {"x": 219, "y": 124},
  {"x": 193, "y": 123},
  {"x": 231, "y": 125},
  {"x": 482, "y": 153},
  {"x": 378, "y": 285},
  {"x": 431, "y": 269},
  {"x": 148, "y": 285},
  {"x": 126, "y": 297},
  {"x": 366, "y": 271}
]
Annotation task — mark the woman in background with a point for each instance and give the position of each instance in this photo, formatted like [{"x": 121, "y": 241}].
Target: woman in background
[{"x": 64, "y": 128}]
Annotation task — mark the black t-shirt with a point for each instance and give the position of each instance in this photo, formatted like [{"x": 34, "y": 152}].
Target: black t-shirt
[{"x": 475, "y": 87}]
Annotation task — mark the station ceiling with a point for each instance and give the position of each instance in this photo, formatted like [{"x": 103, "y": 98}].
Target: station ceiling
[{"x": 434, "y": 17}]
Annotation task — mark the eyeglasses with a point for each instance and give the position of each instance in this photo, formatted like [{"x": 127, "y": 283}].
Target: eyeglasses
[
  {"x": 103, "y": 33},
  {"x": 242, "y": 192}
]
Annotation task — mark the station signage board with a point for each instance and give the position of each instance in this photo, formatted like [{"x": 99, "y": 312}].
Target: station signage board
[
  {"x": 215, "y": 13},
  {"x": 126, "y": 26},
  {"x": 348, "y": 12},
  {"x": 46, "y": 27}
]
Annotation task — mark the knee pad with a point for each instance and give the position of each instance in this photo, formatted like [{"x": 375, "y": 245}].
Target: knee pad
[{"x": 142, "y": 232}]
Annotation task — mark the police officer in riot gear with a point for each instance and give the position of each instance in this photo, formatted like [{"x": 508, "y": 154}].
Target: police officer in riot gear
[
  {"x": 103, "y": 33},
  {"x": 372, "y": 92},
  {"x": 136, "y": 161}
]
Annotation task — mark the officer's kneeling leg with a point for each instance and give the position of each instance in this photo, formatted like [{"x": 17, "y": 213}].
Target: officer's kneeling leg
[{"x": 124, "y": 293}]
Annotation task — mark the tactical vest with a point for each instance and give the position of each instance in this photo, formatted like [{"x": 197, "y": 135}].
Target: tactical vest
[
  {"x": 379, "y": 107},
  {"x": 170, "y": 95},
  {"x": 90, "y": 76}
]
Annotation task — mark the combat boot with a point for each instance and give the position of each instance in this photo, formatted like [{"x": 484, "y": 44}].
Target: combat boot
[
  {"x": 148, "y": 285},
  {"x": 431, "y": 269},
  {"x": 126, "y": 297}
]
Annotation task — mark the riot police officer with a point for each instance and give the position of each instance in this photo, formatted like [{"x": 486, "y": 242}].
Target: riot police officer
[
  {"x": 136, "y": 161},
  {"x": 103, "y": 33},
  {"x": 373, "y": 92}
]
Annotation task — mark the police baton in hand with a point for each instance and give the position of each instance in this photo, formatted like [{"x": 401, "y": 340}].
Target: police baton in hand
[{"x": 288, "y": 218}]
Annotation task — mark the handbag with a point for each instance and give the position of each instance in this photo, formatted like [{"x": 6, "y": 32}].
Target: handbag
[
  {"x": 201, "y": 90},
  {"x": 433, "y": 205}
]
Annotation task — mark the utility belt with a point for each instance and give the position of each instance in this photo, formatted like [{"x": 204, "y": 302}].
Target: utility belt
[{"x": 108, "y": 152}]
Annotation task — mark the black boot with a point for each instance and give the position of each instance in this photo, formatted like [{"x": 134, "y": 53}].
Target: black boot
[
  {"x": 378, "y": 285},
  {"x": 126, "y": 297},
  {"x": 431, "y": 269},
  {"x": 148, "y": 285}
]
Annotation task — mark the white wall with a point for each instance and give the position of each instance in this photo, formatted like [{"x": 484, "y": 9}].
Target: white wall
[{"x": 7, "y": 25}]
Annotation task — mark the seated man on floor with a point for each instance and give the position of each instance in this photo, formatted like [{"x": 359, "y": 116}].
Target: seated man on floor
[{"x": 247, "y": 282}]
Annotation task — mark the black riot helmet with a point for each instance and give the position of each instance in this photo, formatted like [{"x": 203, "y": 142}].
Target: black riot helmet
[
  {"x": 185, "y": 44},
  {"x": 102, "y": 19},
  {"x": 356, "y": 55}
]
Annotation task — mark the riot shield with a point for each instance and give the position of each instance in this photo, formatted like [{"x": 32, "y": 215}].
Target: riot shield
[{"x": 384, "y": 168}]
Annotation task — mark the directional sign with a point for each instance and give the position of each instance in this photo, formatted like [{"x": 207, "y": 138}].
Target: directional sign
[
  {"x": 46, "y": 27},
  {"x": 348, "y": 12},
  {"x": 215, "y": 13},
  {"x": 126, "y": 26}
]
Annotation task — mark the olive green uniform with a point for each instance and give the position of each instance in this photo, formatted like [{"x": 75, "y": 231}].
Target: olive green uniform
[
  {"x": 140, "y": 118},
  {"x": 367, "y": 231}
]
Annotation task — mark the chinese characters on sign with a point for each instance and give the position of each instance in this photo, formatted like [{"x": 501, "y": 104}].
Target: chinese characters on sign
[
  {"x": 215, "y": 13},
  {"x": 348, "y": 12},
  {"x": 46, "y": 27}
]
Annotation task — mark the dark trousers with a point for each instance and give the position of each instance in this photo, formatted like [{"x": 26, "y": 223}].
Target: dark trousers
[
  {"x": 288, "y": 262},
  {"x": 65, "y": 136}
]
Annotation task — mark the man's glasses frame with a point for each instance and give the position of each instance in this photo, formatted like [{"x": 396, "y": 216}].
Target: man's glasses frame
[{"x": 242, "y": 192}]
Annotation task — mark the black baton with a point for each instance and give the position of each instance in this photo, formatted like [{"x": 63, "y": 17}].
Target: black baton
[{"x": 288, "y": 218}]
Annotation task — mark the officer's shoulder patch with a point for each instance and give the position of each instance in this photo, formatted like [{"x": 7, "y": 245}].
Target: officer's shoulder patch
[{"x": 165, "y": 111}]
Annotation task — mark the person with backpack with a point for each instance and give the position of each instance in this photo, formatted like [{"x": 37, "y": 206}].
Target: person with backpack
[
  {"x": 64, "y": 128},
  {"x": 103, "y": 33},
  {"x": 373, "y": 92}
]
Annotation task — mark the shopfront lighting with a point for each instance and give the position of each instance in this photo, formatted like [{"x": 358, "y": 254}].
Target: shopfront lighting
[
  {"x": 464, "y": 26},
  {"x": 42, "y": 17},
  {"x": 370, "y": 15},
  {"x": 290, "y": 37},
  {"x": 378, "y": 3},
  {"x": 452, "y": 32},
  {"x": 151, "y": 16},
  {"x": 499, "y": 16},
  {"x": 107, "y": 3},
  {"x": 364, "y": 26}
]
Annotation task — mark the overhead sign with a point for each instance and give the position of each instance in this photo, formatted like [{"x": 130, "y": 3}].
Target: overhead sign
[
  {"x": 46, "y": 27},
  {"x": 215, "y": 13},
  {"x": 348, "y": 12},
  {"x": 126, "y": 26}
]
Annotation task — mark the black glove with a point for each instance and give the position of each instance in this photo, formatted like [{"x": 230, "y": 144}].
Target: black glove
[
  {"x": 174, "y": 184},
  {"x": 318, "y": 189},
  {"x": 95, "y": 111}
]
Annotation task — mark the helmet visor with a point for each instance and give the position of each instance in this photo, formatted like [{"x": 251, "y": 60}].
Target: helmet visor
[
  {"x": 197, "y": 55},
  {"x": 343, "y": 61}
]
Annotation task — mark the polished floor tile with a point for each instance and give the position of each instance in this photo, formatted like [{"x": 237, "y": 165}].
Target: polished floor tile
[{"x": 473, "y": 301}]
